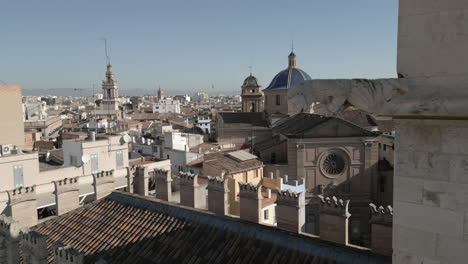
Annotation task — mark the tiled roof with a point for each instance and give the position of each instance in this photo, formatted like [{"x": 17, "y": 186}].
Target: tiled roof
[
  {"x": 287, "y": 78},
  {"x": 126, "y": 228},
  {"x": 222, "y": 161}
]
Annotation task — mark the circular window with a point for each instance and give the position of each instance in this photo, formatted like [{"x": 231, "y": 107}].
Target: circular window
[{"x": 333, "y": 163}]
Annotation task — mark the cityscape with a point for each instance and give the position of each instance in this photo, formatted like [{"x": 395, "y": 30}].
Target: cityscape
[{"x": 257, "y": 158}]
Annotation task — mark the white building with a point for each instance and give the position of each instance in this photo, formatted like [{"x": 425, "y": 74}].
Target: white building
[
  {"x": 204, "y": 122},
  {"x": 167, "y": 105}
]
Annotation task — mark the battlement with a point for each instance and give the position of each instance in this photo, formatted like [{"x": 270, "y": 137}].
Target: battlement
[
  {"x": 334, "y": 206},
  {"x": 217, "y": 184},
  {"x": 21, "y": 194},
  {"x": 381, "y": 215},
  {"x": 67, "y": 255},
  {"x": 141, "y": 171},
  {"x": 187, "y": 178},
  {"x": 249, "y": 190},
  {"x": 66, "y": 185},
  {"x": 103, "y": 177},
  {"x": 288, "y": 197},
  {"x": 35, "y": 244},
  {"x": 9, "y": 227},
  {"x": 162, "y": 174}
]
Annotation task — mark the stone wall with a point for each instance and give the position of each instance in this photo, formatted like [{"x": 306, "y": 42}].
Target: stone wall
[{"x": 431, "y": 191}]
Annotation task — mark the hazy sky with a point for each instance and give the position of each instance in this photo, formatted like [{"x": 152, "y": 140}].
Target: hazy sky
[{"x": 187, "y": 45}]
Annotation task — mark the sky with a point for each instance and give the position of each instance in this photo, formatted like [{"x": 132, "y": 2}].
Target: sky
[{"x": 190, "y": 45}]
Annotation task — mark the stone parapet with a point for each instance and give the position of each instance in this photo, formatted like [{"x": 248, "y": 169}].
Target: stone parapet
[
  {"x": 288, "y": 198},
  {"x": 103, "y": 177},
  {"x": 34, "y": 247},
  {"x": 66, "y": 185},
  {"x": 22, "y": 206},
  {"x": 67, "y": 254},
  {"x": 217, "y": 184},
  {"x": 187, "y": 178},
  {"x": 248, "y": 190},
  {"x": 334, "y": 206},
  {"x": 67, "y": 194},
  {"x": 218, "y": 201},
  {"x": 162, "y": 180},
  {"x": 21, "y": 194},
  {"x": 381, "y": 215},
  {"x": 103, "y": 183}
]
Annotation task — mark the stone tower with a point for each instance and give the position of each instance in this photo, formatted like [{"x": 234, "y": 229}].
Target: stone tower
[
  {"x": 110, "y": 100},
  {"x": 160, "y": 94},
  {"x": 252, "y": 97}
]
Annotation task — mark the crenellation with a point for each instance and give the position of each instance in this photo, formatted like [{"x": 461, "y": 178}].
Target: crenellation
[
  {"x": 248, "y": 190},
  {"x": 381, "y": 215},
  {"x": 66, "y": 185},
  {"x": 67, "y": 254},
  {"x": 187, "y": 178},
  {"x": 34, "y": 247},
  {"x": 21, "y": 194},
  {"x": 217, "y": 184},
  {"x": 288, "y": 198},
  {"x": 103, "y": 183},
  {"x": 334, "y": 206},
  {"x": 162, "y": 174},
  {"x": 163, "y": 179}
]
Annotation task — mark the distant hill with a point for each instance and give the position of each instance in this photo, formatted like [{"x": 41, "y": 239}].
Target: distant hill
[{"x": 123, "y": 92}]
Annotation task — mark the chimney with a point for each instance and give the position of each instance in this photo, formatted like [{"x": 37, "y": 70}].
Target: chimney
[
  {"x": 218, "y": 190},
  {"x": 141, "y": 181},
  {"x": 67, "y": 193},
  {"x": 189, "y": 190},
  {"x": 250, "y": 202},
  {"x": 67, "y": 254},
  {"x": 34, "y": 247},
  {"x": 381, "y": 229},
  {"x": 22, "y": 206},
  {"x": 290, "y": 214},
  {"x": 334, "y": 217},
  {"x": 103, "y": 183},
  {"x": 9, "y": 239},
  {"x": 162, "y": 180}
]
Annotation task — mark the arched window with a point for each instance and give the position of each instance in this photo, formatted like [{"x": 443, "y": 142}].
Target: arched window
[{"x": 278, "y": 99}]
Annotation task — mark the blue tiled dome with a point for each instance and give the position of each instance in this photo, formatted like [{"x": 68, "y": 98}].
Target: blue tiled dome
[{"x": 289, "y": 77}]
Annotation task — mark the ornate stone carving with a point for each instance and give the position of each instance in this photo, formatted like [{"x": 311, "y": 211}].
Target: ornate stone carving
[
  {"x": 66, "y": 185},
  {"x": 334, "y": 206},
  {"x": 21, "y": 194},
  {"x": 288, "y": 198},
  {"x": 67, "y": 254},
  {"x": 187, "y": 178},
  {"x": 381, "y": 215},
  {"x": 248, "y": 190},
  {"x": 217, "y": 184}
]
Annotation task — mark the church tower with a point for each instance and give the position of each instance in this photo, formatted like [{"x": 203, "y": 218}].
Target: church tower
[
  {"x": 160, "y": 94},
  {"x": 110, "y": 100},
  {"x": 252, "y": 97}
]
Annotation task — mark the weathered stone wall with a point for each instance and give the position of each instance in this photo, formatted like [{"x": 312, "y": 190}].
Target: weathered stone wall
[
  {"x": 67, "y": 194},
  {"x": 431, "y": 191}
]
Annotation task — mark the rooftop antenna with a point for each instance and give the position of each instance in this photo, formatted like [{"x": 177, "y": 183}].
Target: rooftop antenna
[
  {"x": 292, "y": 45},
  {"x": 251, "y": 65}
]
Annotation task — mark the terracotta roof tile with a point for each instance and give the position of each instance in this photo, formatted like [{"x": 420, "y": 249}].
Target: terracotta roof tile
[{"x": 126, "y": 228}]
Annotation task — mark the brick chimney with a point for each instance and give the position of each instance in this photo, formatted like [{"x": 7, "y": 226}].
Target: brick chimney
[
  {"x": 162, "y": 180},
  {"x": 9, "y": 239},
  {"x": 34, "y": 247},
  {"x": 141, "y": 181},
  {"x": 67, "y": 193},
  {"x": 334, "y": 217},
  {"x": 67, "y": 254},
  {"x": 250, "y": 202},
  {"x": 22, "y": 206},
  {"x": 218, "y": 190},
  {"x": 103, "y": 183},
  {"x": 381, "y": 229},
  {"x": 290, "y": 214},
  {"x": 189, "y": 190}
]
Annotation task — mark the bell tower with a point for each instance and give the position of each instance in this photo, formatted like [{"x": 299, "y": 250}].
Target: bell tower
[{"x": 252, "y": 97}]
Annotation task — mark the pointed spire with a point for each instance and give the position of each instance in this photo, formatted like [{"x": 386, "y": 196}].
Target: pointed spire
[{"x": 109, "y": 73}]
